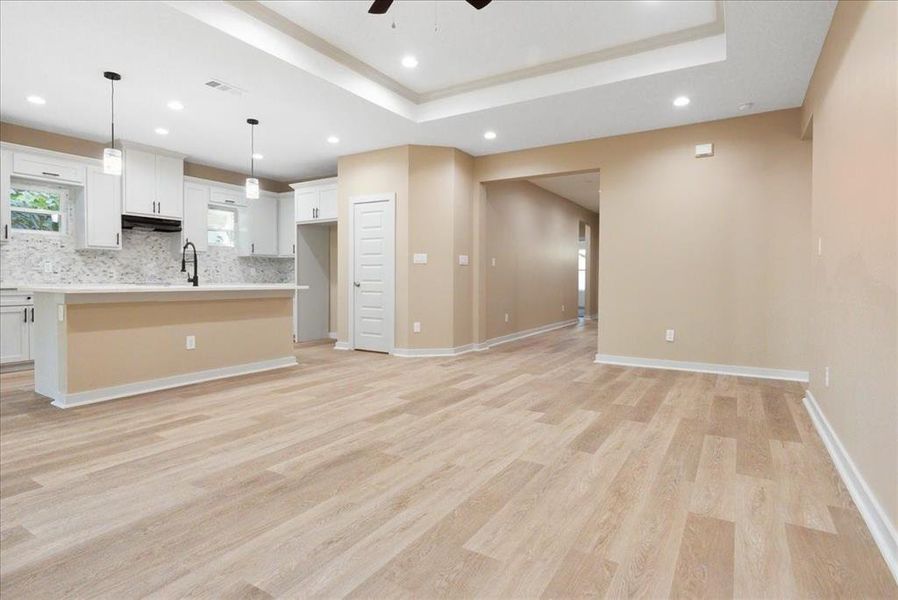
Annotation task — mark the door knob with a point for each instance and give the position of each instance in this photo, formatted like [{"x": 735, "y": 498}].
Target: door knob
[{"x": 357, "y": 284}]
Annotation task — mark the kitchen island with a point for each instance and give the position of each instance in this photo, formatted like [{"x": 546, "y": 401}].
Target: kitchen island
[{"x": 101, "y": 342}]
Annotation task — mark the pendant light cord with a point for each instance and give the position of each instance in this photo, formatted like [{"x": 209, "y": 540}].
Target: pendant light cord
[
  {"x": 112, "y": 139},
  {"x": 252, "y": 150}
]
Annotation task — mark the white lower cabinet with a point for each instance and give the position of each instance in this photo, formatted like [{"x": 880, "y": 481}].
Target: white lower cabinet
[{"x": 16, "y": 328}]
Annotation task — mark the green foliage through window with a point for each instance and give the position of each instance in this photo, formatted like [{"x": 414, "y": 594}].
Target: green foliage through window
[{"x": 36, "y": 208}]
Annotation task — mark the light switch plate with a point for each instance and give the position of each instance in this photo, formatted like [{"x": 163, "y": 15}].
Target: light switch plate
[
  {"x": 419, "y": 258},
  {"x": 463, "y": 259},
  {"x": 669, "y": 335},
  {"x": 703, "y": 150},
  {"x": 416, "y": 327},
  {"x": 190, "y": 343}
]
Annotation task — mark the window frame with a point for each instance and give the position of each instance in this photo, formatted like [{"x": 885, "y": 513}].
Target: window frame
[
  {"x": 209, "y": 227},
  {"x": 63, "y": 212}
]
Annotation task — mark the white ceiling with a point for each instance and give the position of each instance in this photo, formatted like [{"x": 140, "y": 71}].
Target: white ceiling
[
  {"x": 302, "y": 94},
  {"x": 582, "y": 188},
  {"x": 469, "y": 44}
]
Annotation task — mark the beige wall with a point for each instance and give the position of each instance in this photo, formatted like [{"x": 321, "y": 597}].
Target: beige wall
[
  {"x": 533, "y": 235},
  {"x": 463, "y": 275},
  {"x": 715, "y": 248},
  {"x": 853, "y": 106},
  {"x": 17, "y": 134},
  {"x": 115, "y": 344}
]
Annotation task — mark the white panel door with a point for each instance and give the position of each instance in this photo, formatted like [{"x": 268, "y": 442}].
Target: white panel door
[
  {"x": 103, "y": 198},
  {"x": 196, "y": 209},
  {"x": 15, "y": 333},
  {"x": 373, "y": 276},
  {"x": 327, "y": 203},
  {"x": 169, "y": 186},
  {"x": 306, "y": 204},
  {"x": 139, "y": 182}
]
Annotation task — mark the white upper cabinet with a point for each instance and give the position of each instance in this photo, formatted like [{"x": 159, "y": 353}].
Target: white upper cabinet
[
  {"x": 98, "y": 211},
  {"x": 5, "y": 173},
  {"x": 286, "y": 225},
  {"x": 316, "y": 200},
  {"x": 258, "y": 231},
  {"x": 194, "y": 227},
  {"x": 47, "y": 168},
  {"x": 153, "y": 183},
  {"x": 227, "y": 196}
]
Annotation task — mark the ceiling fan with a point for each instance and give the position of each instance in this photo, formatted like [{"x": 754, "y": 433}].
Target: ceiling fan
[{"x": 379, "y": 7}]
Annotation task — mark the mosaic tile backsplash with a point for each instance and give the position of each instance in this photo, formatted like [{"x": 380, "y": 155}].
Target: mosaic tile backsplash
[{"x": 145, "y": 258}]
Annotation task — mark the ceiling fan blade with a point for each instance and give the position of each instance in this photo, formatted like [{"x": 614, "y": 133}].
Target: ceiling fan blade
[
  {"x": 478, "y": 4},
  {"x": 379, "y": 7}
]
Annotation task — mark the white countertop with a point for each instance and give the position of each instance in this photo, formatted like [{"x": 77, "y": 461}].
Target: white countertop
[{"x": 158, "y": 288}]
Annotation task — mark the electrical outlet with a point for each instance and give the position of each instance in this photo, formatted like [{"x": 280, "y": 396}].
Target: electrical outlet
[
  {"x": 506, "y": 317},
  {"x": 669, "y": 335},
  {"x": 463, "y": 259},
  {"x": 416, "y": 326},
  {"x": 494, "y": 262},
  {"x": 190, "y": 344},
  {"x": 48, "y": 266},
  {"x": 826, "y": 376},
  {"x": 419, "y": 258}
]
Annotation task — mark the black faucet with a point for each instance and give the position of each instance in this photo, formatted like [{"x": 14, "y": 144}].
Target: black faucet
[{"x": 195, "y": 280}]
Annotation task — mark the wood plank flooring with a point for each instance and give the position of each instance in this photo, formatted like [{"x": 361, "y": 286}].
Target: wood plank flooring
[{"x": 525, "y": 471}]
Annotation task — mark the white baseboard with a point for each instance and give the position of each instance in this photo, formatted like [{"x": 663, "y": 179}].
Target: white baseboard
[
  {"x": 64, "y": 400},
  {"x": 700, "y": 367},
  {"x": 342, "y": 346},
  {"x": 476, "y": 347},
  {"x": 875, "y": 517}
]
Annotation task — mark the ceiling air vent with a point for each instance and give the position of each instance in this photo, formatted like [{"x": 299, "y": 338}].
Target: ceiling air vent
[{"x": 221, "y": 86}]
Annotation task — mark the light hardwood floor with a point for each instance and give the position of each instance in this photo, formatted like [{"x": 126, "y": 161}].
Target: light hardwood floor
[{"x": 524, "y": 471}]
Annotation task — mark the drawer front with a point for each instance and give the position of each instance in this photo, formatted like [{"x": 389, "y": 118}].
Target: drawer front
[
  {"x": 15, "y": 299},
  {"x": 47, "y": 168}
]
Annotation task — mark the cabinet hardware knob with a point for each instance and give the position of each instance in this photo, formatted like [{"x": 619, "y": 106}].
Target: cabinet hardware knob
[
  {"x": 50, "y": 174},
  {"x": 356, "y": 284},
  {"x": 26, "y": 315},
  {"x": 32, "y": 315}
]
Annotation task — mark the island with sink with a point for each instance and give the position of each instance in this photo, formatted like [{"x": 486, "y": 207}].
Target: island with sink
[{"x": 100, "y": 342}]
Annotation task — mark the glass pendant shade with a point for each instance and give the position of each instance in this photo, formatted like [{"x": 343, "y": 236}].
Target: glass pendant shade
[
  {"x": 112, "y": 161},
  {"x": 252, "y": 188}
]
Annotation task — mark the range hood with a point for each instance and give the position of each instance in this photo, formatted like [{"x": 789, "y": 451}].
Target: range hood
[{"x": 150, "y": 224}]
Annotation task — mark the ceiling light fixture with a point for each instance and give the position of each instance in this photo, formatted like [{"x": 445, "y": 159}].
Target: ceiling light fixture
[
  {"x": 681, "y": 101},
  {"x": 252, "y": 184},
  {"x": 36, "y": 100},
  {"x": 161, "y": 131},
  {"x": 489, "y": 135},
  {"x": 112, "y": 157},
  {"x": 746, "y": 105},
  {"x": 333, "y": 140},
  {"x": 409, "y": 62},
  {"x": 175, "y": 105}
]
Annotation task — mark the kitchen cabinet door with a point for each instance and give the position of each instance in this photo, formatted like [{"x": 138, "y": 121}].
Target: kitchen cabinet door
[
  {"x": 169, "y": 187},
  {"x": 286, "y": 226},
  {"x": 264, "y": 226},
  {"x": 15, "y": 334},
  {"x": 306, "y": 204},
  {"x": 103, "y": 206},
  {"x": 196, "y": 208},
  {"x": 139, "y": 182},
  {"x": 327, "y": 203},
  {"x": 5, "y": 173}
]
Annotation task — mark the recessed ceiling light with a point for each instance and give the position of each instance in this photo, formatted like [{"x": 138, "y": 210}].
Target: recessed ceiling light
[
  {"x": 175, "y": 105},
  {"x": 681, "y": 101},
  {"x": 257, "y": 156},
  {"x": 333, "y": 140},
  {"x": 489, "y": 135},
  {"x": 409, "y": 62},
  {"x": 161, "y": 130},
  {"x": 746, "y": 105},
  {"x": 36, "y": 100}
]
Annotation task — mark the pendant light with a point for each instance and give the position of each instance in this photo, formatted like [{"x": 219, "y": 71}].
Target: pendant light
[
  {"x": 252, "y": 184},
  {"x": 112, "y": 157}
]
